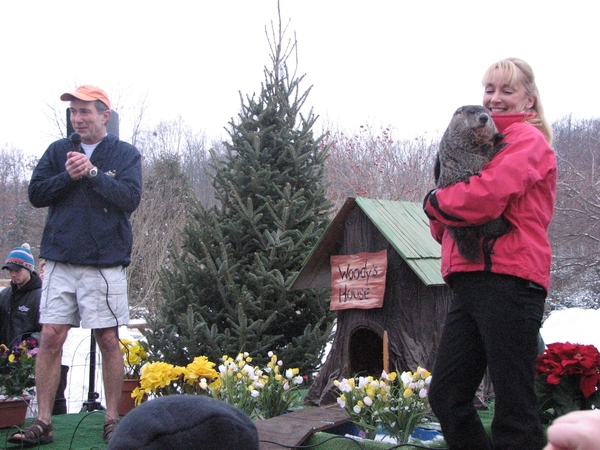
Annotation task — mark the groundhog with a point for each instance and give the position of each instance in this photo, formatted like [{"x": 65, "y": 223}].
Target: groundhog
[{"x": 468, "y": 144}]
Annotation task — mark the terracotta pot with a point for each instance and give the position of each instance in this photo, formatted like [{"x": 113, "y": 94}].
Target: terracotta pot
[
  {"x": 12, "y": 412},
  {"x": 127, "y": 403}
]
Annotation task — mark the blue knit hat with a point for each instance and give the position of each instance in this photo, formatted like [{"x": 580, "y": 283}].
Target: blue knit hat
[{"x": 20, "y": 257}]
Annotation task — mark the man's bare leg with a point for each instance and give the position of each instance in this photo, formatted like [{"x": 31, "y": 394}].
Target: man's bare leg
[
  {"x": 112, "y": 369},
  {"x": 47, "y": 369}
]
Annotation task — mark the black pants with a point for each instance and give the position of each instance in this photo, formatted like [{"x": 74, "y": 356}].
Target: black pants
[{"x": 493, "y": 321}]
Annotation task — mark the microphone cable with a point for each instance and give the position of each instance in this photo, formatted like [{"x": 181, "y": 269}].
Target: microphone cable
[{"x": 76, "y": 141}]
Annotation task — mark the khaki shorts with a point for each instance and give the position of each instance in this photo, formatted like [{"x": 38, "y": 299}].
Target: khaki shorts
[{"x": 84, "y": 295}]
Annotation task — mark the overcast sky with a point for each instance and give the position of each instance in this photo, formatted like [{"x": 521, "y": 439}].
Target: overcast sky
[{"x": 408, "y": 64}]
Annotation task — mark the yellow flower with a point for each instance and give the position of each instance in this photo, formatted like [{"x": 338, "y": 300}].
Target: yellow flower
[
  {"x": 423, "y": 372},
  {"x": 134, "y": 354},
  {"x": 216, "y": 385},
  {"x": 158, "y": 375},
  {"x": 138, "y": 394},
  {"x": 201, "y": 367},
  {"x": 408, "y": 393}
]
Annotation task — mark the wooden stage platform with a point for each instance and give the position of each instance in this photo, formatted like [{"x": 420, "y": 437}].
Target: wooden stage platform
[{"x": 289, "y": 430}]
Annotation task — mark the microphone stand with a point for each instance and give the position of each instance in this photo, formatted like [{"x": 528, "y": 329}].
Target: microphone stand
[{"x": 92, "y": 404}]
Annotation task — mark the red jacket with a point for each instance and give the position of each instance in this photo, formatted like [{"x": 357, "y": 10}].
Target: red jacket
[{"x": 519, "y": 182}]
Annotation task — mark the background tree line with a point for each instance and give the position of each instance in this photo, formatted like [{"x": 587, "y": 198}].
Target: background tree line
[
  {"x": 367, "y": 162},
  {"x": 224, "y": 227}
]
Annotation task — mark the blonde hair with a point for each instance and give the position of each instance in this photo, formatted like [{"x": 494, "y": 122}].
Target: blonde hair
[{"x": 516, "y": 70}]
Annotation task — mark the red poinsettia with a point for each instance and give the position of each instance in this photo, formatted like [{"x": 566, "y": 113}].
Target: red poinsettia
[
  {"x": 568, "y": 377},
  {"x": 560, "y": 360}
]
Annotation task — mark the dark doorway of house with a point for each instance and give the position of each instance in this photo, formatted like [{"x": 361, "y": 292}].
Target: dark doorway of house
[{"x": 366, "y": 353}]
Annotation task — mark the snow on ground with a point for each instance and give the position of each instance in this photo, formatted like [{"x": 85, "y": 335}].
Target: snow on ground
[{"x": 574, "y": 325}]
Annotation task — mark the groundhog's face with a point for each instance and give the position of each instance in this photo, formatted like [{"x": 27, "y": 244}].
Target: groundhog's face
[
  {"x": 476, "y": 119},
  {"x": 468, "y": 144}
]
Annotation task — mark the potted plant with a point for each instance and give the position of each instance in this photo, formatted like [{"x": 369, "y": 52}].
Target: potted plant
[
  {"x": 134, "y": 357},
  {"x": 365, "y": 399},
  {"x": 262, "y": 393},
  {"x": 409, "y": 405},
  {"x": 259, "y": 392},
  {"x": 568, "y": 379},
  {"x": 392, "y": 404},
  {"x": 17, "y": 381}
]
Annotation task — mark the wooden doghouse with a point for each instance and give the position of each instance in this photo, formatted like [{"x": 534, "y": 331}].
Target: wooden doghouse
[{"x": 405, "y": 331}]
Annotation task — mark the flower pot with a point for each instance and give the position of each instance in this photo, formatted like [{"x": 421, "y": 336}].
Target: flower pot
[
  {"x": 127, "y": 403},
  {"x": 13, "y": 411},
  {"x": 424, "y": 434}
]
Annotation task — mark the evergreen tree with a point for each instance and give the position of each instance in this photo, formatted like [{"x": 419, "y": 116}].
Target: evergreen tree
[{"x": 228, "y": 290}]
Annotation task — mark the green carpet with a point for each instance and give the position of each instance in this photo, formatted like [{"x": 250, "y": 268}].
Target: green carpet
[
  {"x": 326, "y": 441},
  {"x": 84, "y": 432},
  {"x": 71, "y": 431}
]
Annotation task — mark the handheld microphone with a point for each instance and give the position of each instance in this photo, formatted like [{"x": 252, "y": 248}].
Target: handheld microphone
[{"x": 76, "y": 140}]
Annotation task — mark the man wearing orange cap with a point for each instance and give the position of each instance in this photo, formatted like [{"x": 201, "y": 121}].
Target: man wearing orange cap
[
  {"x": 91, "y": 183},
  {"x": 91, "y": 127}
]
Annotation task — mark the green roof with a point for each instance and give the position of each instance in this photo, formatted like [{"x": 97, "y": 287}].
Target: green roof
[{"x": 403, "y": 224}]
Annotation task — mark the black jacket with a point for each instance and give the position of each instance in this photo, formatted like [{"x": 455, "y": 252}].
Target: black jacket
[
  {"x": 20, "y": 311},
  {"x": 88, "y": 219}
]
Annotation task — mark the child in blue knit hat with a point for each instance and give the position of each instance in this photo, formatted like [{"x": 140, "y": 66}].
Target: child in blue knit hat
[
  {"x": 20, "y": 302},
  {"x": 18, "y": 258},
  {"x": 20, "y": 309}
]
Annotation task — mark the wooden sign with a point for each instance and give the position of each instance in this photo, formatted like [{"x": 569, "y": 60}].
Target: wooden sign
[{"x": 358, "y": 281}]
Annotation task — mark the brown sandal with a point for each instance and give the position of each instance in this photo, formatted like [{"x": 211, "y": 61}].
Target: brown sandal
[
  {"x": 37, "y": 433},
  {"x": 109, "y": 429}
]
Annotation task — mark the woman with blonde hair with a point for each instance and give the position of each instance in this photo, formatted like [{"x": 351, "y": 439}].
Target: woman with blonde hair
[
  {"x": 518, "y": 71},
  {"x": 498, "y": 302}
]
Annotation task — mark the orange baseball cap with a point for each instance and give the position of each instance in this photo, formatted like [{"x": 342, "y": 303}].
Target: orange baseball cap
[{"x": 87, "y": 93}]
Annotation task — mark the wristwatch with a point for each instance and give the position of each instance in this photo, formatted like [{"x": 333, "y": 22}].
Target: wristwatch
[{"x": 93, "y": 172}]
